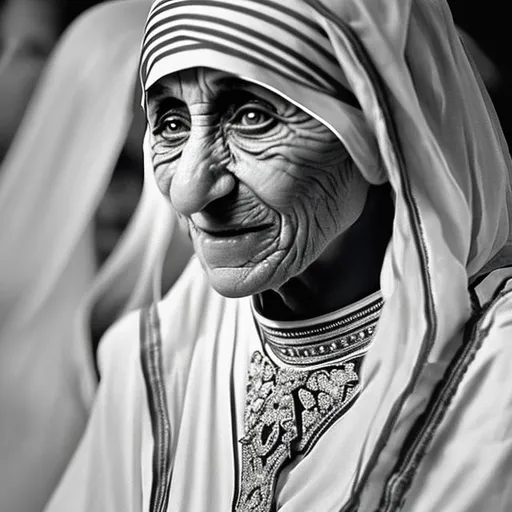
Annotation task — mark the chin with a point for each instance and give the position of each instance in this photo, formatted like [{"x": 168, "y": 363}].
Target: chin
[{"x": 241, "y": 282}]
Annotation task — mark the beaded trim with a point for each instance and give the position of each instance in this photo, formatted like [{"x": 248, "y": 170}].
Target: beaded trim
[{"x": 333, "y": 340}]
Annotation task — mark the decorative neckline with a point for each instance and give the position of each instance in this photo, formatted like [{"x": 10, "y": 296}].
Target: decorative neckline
[{"x": 340, "y": 335}]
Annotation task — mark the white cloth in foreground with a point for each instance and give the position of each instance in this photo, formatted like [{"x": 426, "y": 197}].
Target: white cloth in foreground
[
  {"x": 207, "y": 345},
  {"x": 51, "y": 182}
]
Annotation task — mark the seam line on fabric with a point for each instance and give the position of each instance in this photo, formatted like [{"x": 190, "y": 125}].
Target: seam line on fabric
[{"x": 152, "y": 366}]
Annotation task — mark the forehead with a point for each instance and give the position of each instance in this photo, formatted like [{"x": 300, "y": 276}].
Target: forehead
[{"x": 203, "y": 84}]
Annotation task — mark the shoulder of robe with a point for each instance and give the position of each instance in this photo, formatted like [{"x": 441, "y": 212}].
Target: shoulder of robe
[
  {"x": 188, "y": 300},
  {"x": 119, "y": 347},
  {"x": 465, "y": 455},
  {"x": 180, "y": 313},
  {"x": 494, "y": 296}
]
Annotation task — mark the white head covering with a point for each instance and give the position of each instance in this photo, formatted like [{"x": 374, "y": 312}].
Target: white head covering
[
  {"x": 424, "y": 123},
  {"x": 51, "y": 182}
]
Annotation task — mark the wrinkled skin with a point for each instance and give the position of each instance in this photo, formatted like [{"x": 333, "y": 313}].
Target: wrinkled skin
[{"x": 264, "y": 187}]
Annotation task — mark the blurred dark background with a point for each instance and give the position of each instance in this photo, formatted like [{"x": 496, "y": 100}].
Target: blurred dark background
[
  {"x": 29, "y": 29},
  {"x": 488, "y": 24}
]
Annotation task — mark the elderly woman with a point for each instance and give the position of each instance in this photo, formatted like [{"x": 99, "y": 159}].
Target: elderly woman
[{"x": 342, "y": 340}]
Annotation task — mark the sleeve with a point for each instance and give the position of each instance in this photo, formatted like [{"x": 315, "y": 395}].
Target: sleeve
[{"x": 105, "y": 472}]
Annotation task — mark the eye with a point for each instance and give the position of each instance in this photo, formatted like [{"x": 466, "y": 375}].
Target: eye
[
  {"x": 173, "y": 127},
  {"x": 253, "y": 117},
  {"x": 253, "y": 120}
]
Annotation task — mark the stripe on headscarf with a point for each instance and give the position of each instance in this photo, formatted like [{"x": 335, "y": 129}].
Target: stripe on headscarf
[{"x": 265, "y": 33}]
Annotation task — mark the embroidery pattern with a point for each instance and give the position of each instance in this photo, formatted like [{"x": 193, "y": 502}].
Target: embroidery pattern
[
  {"x": 287, "y": 410},
  {"x": 333, "y": 342}
]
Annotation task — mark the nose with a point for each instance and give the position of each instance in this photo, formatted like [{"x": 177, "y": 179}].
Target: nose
[{"x": 201, "y": 176}]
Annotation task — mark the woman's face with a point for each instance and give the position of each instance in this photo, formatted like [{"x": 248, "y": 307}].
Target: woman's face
[{"x": 263, "y": 186}]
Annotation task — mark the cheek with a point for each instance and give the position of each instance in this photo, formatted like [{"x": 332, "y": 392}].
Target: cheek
[
  {"x": 163, "y": 177},
  {"x": 314, "y": 187},
  {"x": 341, "y": 197},
  {"x": 164, "y": 161},
  {"x": 275, "y": 179},
  {"x": 294, "y": 171},
  {"x": 271, "y": 182}
]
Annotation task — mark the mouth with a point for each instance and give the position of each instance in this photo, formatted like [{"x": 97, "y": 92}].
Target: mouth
[
  {"x": 229, "y": 246},
  {"x": 233, "y": 232}
]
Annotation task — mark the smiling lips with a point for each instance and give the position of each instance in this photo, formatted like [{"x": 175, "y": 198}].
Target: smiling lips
[
  {"x": 233, "y": 232},
  {"x": 233, "y": 247}
]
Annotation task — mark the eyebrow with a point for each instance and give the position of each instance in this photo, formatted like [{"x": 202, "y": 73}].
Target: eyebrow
[
  {"x": 159, "y": 91},
  {"x": 230, "y": 89},
  {"x": 160, "y": 88},
  {"x": 159, "y": 101}
]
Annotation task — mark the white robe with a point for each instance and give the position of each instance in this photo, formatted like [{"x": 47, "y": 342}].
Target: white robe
[{"x": 207, "y": 344}]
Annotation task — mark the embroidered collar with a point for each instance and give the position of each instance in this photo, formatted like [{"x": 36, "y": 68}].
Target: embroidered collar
[
  {"x": 288, "y": 408},
  {"x": 338, "y": 336}
]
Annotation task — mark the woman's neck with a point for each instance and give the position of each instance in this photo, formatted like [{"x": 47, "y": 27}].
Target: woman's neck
[{"x": 347, "y": 271}]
